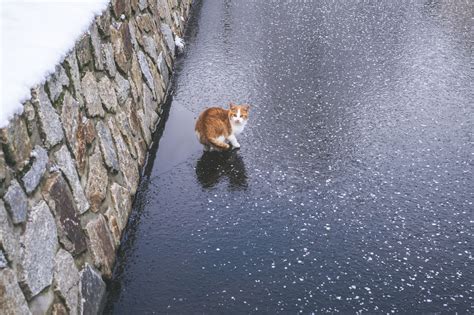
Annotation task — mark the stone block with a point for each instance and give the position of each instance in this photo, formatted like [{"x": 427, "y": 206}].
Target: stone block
[
  {"x": 146, "y": 24},
  {"x": 16, "y": 202},
  {"x": 3, "y": 167},
  {"x": 12, "y": 300},
  {"x": 169, "y": 39},
  {"x": 67, "y": 280},
  {"x": 38, "y": 248},
  {"x": 41, "y": 303},
  {"x": 103, "y": 22},
  {"x": 108, "y": 56},
  {"x": 16, "y": 142},
  {"x": 33, "y": 177},
  {"x": 60, "y": 200},
  {"x": 59, "y": 309},
  {"x": 146, "y": 70},
  {"x": 91, "y": 96},
  {"x": 97, "y": 181},
  {"x": 119, "y": 211},
  {"x": 150, "y": 47},
  {"x": 92, "y": 291},
  {"x": 122, "y": 88},
  {"x": 107, "y": 94},
  {"x": 57, "y": 82},
  {"x": 107, "y": 147},
  {"x": 84, "y": 52},
  {"x": 121, "y": 7},
  {"x": 50, "y": 124},
  {"x": 3, "y": 260},
  {"x": 9, "y": 240},
  {"x": 73, "y": 68},
  {"x": 68, "y": 168},
  {"x": 121, "y": 41},
  {"x": 96, "y": 47},
  {"x": 128, "y": 165},
  {"x": 142, "y": 4},
  {"x": 101, "y": 245},
  {"x": 74, "y": 127}
]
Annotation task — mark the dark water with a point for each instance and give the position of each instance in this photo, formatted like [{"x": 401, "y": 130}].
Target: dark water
[{"x": 353, "y": 190}]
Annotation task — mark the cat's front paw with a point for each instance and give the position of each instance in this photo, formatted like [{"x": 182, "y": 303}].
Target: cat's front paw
[{"x": 236, "y": 145}]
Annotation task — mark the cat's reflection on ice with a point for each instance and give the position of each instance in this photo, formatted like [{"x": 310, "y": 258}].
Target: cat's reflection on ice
[{"x": 214, "y": 166}]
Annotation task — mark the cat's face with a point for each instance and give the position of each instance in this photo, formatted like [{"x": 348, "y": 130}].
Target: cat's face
[{"x": 239, "y": 114}]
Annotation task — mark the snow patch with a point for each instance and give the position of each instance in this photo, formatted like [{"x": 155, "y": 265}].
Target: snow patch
[{"x": 35, "y": 36}]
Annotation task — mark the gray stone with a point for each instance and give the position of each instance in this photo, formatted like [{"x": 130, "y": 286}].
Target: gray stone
[
  {"x": 142, "y": 4},
  {"x": 71, "y": 63},
  {"x": 121, "y": 41},
  {"x": 12, "y": 300},
  {"x": 60, "y": 200},
  {"x": 17, "y": 202},
  {"x": 121, "y": 7},
  {"x": 159, "y": 85},
  {"x": 49, "y": 119},
  {"x": 117, "y": 214},
  {"x": 149, "y": 106},
  {"x": 83, "y": 51},
  {"x": 38, "y": 246},
  {"x": 76, "y": 129},
  {"x": 107, "y": 94},
  {"x": 66, "y": 165},
  {"x": 103, "y": 22},
  {"x": 96, "y": 185},
  {"x": 3, "y": 260},
  {"x": 66, "y": 280},
  {"x": 9, "y": 240},
  {"x": 146, "y": 70},
  {"x": 91, "y": 96},
  {"x": 122, "y": 88},
  {"x": 133, "y": 35},
  {"x": 70, "y": 118},
  {"x": 107, "y": 147},
  {"x": 108, "y": 56},
  {"x": 34, "y": 175},
  {"x": 146, "y": 24},
  {"x": 163, "y": 69},
  {"x": 150, "y": 47},
  {"x": 144, "y": 122},
  {"x": 59, "y": 309},
  {"x": 128, "y": 165},
  {"x": 3, "y": 167},
  {"x": 164, "y": 10},
  {"x": 92, "y": 291},
  {"x": 127, "y": 132},
  {"x": 136, "y": 77},
  {"x": 96, "y": 47},
  {"x": 101, "y": 245},
  {"x": 57, "y": 82},
  {"x": 41, "y": 303},
  {"x": 16, "y": 142},
  {"x": 168, "y": 35}
]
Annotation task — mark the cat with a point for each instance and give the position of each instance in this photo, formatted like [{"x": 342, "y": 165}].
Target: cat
[{"x": 217, "y": 127}]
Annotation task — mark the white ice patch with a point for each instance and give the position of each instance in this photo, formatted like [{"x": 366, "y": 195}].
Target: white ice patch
[{"x": 35, "y": 36}]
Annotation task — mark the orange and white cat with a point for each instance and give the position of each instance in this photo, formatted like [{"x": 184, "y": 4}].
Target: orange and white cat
[{"x": 217, "y": 127}]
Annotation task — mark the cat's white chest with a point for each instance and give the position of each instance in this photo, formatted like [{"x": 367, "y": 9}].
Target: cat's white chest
[{"x": 238, "y": 128}]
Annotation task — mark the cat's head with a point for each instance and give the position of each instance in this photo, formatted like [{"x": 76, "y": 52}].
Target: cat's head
[{"x": 238, "y": 114}]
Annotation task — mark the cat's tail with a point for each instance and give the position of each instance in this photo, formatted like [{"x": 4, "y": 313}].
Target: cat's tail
[{"x": 219, "y": 144}]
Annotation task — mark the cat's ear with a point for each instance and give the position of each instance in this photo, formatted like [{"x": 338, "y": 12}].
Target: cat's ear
[
  {"x": 232, "y": 105},
  {"x": 246, "y": 107}
]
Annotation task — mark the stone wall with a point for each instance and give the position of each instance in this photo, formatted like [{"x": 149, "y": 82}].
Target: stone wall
[{"x": 70, "y": 164}]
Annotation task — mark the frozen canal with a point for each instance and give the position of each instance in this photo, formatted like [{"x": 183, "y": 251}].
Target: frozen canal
[{"x": 353, "y": 190}]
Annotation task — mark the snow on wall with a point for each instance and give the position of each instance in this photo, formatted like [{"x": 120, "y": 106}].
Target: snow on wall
[{"x": 35, "y": 36}]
